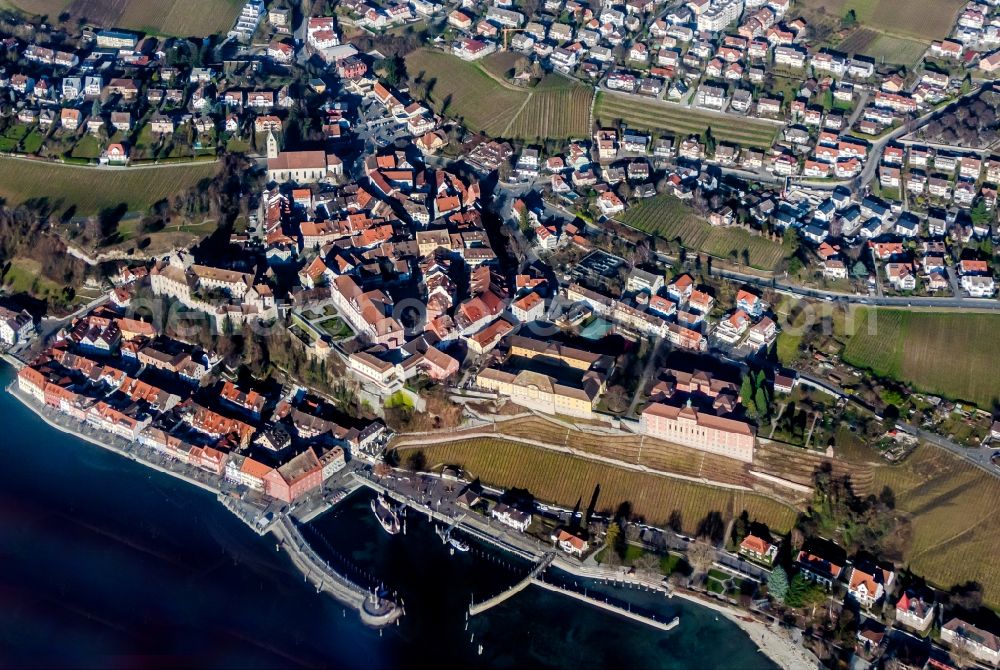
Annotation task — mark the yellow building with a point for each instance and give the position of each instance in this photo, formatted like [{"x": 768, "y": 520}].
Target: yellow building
[{"x": 540, "y": 392}]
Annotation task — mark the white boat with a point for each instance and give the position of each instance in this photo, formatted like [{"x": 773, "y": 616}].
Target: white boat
[
  {"x": 458, "y": 544},
  {"x": 386, "y": 516}
]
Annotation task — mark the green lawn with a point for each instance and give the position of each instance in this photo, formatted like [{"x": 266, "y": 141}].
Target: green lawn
[
  {"x": 336, "y": 328},
  {"x": 33, "y": 142},
  {"x": 88, "y": 147},
  {"x": 787, "y": 347}
]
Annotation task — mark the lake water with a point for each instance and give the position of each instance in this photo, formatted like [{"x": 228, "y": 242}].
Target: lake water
[{"x": 104, "y": 562}]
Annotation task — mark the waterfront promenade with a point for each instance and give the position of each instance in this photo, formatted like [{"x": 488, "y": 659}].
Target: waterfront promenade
[
  {"x": 130, "y": 450},
  {"x": 373, "y": 611}
]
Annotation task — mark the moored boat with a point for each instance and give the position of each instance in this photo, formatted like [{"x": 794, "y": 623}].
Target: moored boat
[{"x": 386, "y": 516}]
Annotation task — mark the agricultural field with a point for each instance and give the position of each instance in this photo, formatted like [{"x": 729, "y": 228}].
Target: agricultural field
[
  {"x": 183, "y": 18},
  {"x": 683, "y": 121},
  {"x": 946, "y": 353},
  {"x": 555, "y": 108},
  {"x": 509, "y": 464},
  {"x": 669, "y": 218},
  {"x": 91, "y": 189},
  {"x": 882, "y": 47},
  {"x": 954, "y": 533},
  {"x": 633, "y": 449},
  {"x": 48, "y": 8},
  {"x": 921, "y": 19}
]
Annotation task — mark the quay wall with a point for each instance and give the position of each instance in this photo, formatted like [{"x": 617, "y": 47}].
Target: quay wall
[
  {"x": 303, "y": 557},
  {"x": 108, "y": 442}
]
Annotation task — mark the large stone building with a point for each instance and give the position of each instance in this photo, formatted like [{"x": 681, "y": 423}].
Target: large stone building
[
  {"x": 540, "y": 392},
  {"x": 689, "y": 427},
  {"x": 303, "y": 167},
  {"x": 549, "y": 377}
]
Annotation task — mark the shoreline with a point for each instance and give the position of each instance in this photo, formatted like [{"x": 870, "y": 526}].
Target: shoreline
[
  {"x": 301, "y": 555},
  {"x": 107, "y": 444},
  {"x": 773, "y": 644}
]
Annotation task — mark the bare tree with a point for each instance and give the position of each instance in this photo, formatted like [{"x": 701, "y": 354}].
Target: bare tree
[
  {"x": 961, "y": 653},
  {"x": 701, "y": 556},
  {"x": 648, "y": 565}
]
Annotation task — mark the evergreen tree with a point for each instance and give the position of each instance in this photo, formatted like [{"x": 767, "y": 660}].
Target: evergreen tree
[
  {"x": 611, "y": 537},
  {"x": 760, "y": 401},
  {"x": 777, "y": 584},
  {"x": 709, "y": 139},
  {"x": 804, "y": 593},
  {"x": 746, "y": 393}
]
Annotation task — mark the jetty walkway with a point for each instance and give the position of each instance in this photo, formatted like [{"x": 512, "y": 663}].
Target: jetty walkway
[
  {"x": 535, "y": 577},
  {"x": 479, "y": 608},
  {"x": 616, "y": 609}
]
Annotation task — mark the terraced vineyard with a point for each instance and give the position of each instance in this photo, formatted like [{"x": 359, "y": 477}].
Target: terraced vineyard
[
  {"x": 799, "y": 466},
  {"x": 556, "y": 108},
  {"x": 569, "y": 481},
  {"x": 950, "y": 503},
  {"x": 652, "y": 453},
  {"x": 679, "y": 120},
  {"x": 941, "y": 353},
  {"x": 667, "y": 217}
]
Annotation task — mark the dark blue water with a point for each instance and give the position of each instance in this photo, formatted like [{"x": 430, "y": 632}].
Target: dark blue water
[{"x": 105, "y": 563}]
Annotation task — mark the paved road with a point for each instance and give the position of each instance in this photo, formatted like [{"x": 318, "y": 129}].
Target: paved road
[
  {"x": 977, "y": 456},
  {"x": 49, "y": 326},
  {"x": 979, "y": 304}
]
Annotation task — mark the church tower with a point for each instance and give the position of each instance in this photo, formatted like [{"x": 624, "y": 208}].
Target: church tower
[{"x": 272, "y": 145}]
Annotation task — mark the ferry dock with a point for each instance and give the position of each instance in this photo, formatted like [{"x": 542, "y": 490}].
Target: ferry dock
[
  {"x": 542, "y": 556},
  {"x": 373, "y": 609}
]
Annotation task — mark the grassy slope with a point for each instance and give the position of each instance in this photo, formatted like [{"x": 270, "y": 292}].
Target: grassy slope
[{"x": 92, "y": 189}]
